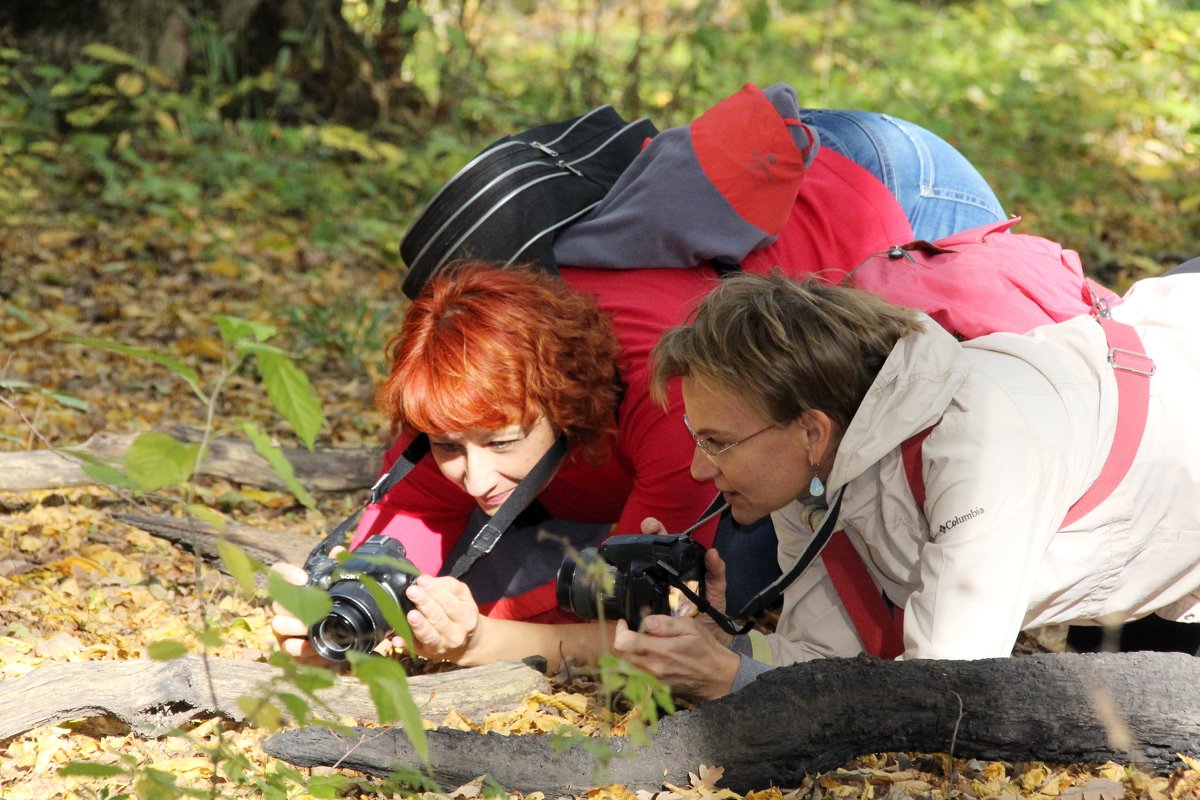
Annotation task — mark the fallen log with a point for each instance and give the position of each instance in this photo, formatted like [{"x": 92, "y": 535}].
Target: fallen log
[
  {"x": 267, "y": 546},
  {"x": 152, "y": 697},
  {"x": 1139, "y": 708},
  {"x": 325, "y": 470}
]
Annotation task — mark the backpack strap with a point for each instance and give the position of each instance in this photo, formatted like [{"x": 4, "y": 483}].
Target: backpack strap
[
  {"x": 417, "y": 449},
  {"x": 910, "y": 454},
  {"x": 526, "y": 490},
  {"x": 1133, "y": 368},
  {"x": 879, "y": 623}
]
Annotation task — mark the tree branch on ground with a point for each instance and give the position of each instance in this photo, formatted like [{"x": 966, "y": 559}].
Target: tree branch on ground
[
  {"x": 814, "y": 716},
  {"x": 326, "y": 470},
  {"x": 153, "y": 697}
]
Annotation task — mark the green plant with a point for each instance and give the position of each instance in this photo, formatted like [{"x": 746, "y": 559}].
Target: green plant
[
  {"x": 156, "y": 461},
  {"x": 350, "y": 330},
  {"x": 619, "y": 682}
]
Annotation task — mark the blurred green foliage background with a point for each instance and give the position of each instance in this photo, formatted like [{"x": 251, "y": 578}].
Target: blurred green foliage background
[{"x": 1083, "y": 114}]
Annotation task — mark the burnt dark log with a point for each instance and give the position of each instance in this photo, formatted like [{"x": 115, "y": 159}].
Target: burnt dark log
[{"x": 1137, "y": 708}]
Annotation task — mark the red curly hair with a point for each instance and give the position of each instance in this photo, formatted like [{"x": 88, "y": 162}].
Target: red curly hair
[{"x": 484, "y": 347}]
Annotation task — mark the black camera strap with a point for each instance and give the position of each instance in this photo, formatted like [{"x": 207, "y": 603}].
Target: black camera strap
[
  {"x": 770, "y": 594},
  {"x": 486, "y": 537},
  {"x": 529, "y": 487},
  {"x": 417, "y": 449}
]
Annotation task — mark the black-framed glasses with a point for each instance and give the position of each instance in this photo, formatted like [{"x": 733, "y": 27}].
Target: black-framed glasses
[{"x": 711, "y": 447}]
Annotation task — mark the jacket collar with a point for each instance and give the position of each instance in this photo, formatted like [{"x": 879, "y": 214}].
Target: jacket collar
[{"x": 911, "y": 392}]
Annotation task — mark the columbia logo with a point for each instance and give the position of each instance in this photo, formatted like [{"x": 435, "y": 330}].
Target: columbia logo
[{"x": 950, "y": 523}]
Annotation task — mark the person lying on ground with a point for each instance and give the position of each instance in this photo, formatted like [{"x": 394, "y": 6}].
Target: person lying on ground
[{"x": 800, "y": 395}]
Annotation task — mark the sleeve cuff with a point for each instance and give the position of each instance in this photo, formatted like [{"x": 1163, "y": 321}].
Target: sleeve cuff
[
  {"x": 754, "y": 652},
  {"x": 747, "y": 672}
]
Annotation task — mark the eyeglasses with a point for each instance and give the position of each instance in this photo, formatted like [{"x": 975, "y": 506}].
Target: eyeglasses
[{"x": 712, "y": 447}]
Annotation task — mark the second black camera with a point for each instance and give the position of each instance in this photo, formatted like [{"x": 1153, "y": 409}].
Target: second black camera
[{"x": 629, "y": 577}]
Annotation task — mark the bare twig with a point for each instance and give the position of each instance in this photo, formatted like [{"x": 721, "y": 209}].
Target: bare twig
[{"x": 953, "y": 773}]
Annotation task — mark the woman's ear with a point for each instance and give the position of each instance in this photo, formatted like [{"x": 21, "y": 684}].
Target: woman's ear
[{"x": 821, "y": 435}]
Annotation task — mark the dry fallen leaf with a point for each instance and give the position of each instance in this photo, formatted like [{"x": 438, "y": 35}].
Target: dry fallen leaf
[{"x": 1096, "y": 789}]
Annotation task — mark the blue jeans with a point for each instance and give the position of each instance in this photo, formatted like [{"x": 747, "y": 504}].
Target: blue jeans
[{"x": 938, "y": 188}]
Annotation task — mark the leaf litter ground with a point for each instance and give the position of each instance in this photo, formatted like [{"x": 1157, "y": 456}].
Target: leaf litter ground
[{"x": 77, "y": 585}]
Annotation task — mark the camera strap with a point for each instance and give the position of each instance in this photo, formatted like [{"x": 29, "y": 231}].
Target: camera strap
[
  {"x": 417, "y": 449},
  {"x": 526, "y": 490},
  {"x": 486, "y": 537},
  {"x": 770, "y": 594}
]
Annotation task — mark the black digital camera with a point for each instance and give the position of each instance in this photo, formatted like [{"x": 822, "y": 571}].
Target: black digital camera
[
  {"x": 643, "y": 568},
  {"x": 356, "y": 622}
]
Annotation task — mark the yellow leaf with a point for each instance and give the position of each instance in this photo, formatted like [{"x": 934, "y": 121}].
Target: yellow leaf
[
  {"x": 277, "y": 242},
  {"x": 28, "y": 543},
  {"x": 158, "y": 76},
  {"x": 166, "y": 121},
  {"x": 57, "y": 238},
  {"x": 265, "y": 498},
  {"x": 64, "y": 566},
  {"x": 130, "y": 84},
  {"x": 187, "y": 767},
  {"x": 202, "y": 346},
  {"x": 1154, "y": 172},
  {"x": 226, "y": 268},
  {"x": 458, "y": 722}
]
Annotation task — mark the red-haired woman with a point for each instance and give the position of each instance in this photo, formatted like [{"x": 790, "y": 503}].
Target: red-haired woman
[{"x": 493, "y": 365}]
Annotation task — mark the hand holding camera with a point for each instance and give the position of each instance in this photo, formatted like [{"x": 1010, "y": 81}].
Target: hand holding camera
[
  {"x": 691, "y": 654},
  {"x": 356, "y": 623}
]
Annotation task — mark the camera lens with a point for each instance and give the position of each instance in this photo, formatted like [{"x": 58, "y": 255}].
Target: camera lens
[
  {"x": 354, "y": 623},
  {"x": 564, "y": 588},
  {"x": 579, "y": 588},
  {"x": 337, "y": 633}
]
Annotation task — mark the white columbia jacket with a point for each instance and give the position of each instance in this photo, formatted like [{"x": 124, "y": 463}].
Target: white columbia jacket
[{"x": 1026, "y": 424}]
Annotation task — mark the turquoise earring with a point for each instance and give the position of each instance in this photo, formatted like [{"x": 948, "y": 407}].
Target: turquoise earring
[{"x": 815, "y": 487}]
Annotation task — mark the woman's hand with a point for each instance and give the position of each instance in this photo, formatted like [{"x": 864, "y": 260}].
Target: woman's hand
[
  {"x": 681, "y": 652},
  {"x": 445, "y": 620}
]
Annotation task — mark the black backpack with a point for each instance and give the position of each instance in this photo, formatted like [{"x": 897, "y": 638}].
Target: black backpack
[{"x": 509, "y": 202}]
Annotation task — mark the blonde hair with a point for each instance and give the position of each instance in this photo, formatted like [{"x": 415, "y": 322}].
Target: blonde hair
[{"x": 784, "y": 346}]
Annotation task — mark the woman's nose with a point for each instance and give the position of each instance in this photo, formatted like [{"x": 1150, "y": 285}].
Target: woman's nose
[
  {"x": 479, "y": 472},
  {"x": 703, "y": 468}
]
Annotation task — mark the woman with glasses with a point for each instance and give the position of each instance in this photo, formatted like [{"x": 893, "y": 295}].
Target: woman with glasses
[{"x": 980, "y": 485}]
